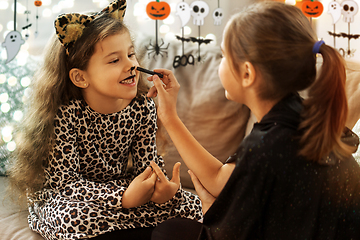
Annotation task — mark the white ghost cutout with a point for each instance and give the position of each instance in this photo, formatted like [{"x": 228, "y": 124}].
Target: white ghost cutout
[
  {"x": 183, "y": 11},
  {"x": 199, "y": 10},
  {"x": 335, "y": 11},
  {"x": 348, "y": 9},
  {"x": 12, "y": 43},
  {"x": 218, "y": 15}
]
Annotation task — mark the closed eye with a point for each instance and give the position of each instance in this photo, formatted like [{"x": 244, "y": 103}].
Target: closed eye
[
  {"x": 114, "y": 61},
  {"x": 131, "y": 55}
]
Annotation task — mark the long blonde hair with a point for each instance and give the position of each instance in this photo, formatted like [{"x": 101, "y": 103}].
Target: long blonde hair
[
  {"x": 278, "y": 40},
  {"x": 52, "y": 87}
]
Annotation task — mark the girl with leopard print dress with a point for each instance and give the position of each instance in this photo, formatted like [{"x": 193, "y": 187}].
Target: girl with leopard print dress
[{"x": 88, "y": 113}]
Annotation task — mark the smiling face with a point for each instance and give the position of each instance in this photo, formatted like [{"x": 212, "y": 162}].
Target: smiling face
[{"x": 109, "y": 79}]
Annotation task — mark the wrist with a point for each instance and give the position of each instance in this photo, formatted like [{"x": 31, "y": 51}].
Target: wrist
[{"x": 170, "y": 120}]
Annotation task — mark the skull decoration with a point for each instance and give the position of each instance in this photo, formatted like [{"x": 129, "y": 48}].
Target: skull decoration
[
  {"x": 349, "y": 9},
  {"x": 218, "y": 16},
  {"x": 199, "y": 10}
]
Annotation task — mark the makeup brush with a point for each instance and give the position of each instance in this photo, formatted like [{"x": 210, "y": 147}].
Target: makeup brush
[{"x": 149, "y": 72}]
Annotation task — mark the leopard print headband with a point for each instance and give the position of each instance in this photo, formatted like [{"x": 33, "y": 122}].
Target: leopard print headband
[{"x": 69, "y": 27}]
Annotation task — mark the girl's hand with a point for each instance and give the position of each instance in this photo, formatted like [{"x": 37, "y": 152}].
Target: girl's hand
[
  {"x": 206, "y": 198},
  {"x": 165, "y": 189},
  {"x": 167, "y": 90},
  {"x": 140, "y": 189}
]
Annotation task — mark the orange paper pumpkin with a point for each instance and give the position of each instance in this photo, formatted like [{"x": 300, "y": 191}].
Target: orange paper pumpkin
[
  {"x": 158, "y": 10},
  {"x": 312, "y": 8},
  {"x": 38, "y": 3}
]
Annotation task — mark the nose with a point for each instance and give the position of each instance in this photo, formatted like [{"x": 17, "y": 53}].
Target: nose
[{"x": 132, "y": 69}]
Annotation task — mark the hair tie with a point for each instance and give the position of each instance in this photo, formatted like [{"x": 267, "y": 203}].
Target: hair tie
[
  {"x": 316, "y": 47},
  {"x": 69, "y": 27}
]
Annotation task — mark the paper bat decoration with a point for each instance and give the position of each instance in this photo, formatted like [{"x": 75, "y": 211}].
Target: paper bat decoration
[{"x": 344, "y": 35}]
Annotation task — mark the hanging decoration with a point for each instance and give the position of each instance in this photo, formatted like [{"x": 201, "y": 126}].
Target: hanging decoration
[
  {"x": 199, "y": 10},
  {"x": 37, "y": 4},
  {"x": 348, "y": 9},
  {"x": 157, "y": 10},
  {"x": 13, "y": 41},
  {"x": 335, "y": 11},
  {"x": 183, "y": 11},
  {"x": 312, "y": 8},
  {"x": 28, "y": 25},
  {"x": 218, "y": 15}
]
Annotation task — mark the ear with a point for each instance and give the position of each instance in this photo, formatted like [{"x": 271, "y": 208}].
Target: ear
[
  {"x": 248, "y": 74},
  {"x": 77, "y": 77}
]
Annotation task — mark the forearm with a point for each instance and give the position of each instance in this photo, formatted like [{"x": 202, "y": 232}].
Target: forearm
[{"x": 212, "y": 173}]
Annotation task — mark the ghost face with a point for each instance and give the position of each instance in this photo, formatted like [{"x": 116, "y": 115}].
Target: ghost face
[
  {"x": 13, "y": 42},
  {"x": 199, "y": 10},
  {"x": 183, "y": 11},
  {"x": 349, "y": 9},
  {"x": 218, "y": 16},
  {"x": 335, "y": 11}
]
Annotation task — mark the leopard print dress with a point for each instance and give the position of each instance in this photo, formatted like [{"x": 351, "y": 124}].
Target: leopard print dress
[{"x": 87, "y": 174}]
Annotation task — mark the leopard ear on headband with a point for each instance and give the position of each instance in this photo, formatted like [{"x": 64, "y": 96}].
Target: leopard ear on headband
[{"x": 69, "y": 27}]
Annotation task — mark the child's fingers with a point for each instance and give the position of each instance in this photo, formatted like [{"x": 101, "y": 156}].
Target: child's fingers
[
  {"x": 176, "y": 173},
  {"x": 158, "y": 84},
  {"x": 158, "y": 171},
  {"x": 153, "y": 177},
  {"x": 145, "y": 174},
  {"x": 152, "y": 92}
]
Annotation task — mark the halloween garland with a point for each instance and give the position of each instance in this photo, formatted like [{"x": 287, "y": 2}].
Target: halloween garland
[
  {"x": 13, "y": 41},
  {"x": 157, "y": 10},
  {"x": 348, "y": 9},
  {"x": 198, "y": 10}
]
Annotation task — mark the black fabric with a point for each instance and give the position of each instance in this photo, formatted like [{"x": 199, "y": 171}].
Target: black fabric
[
  {"x": 177, "y": 229},
  {"x": 275, "y": 194},
  {"x": 126, "y": 234}
]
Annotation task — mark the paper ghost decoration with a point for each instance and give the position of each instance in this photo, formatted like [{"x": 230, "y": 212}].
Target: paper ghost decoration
[
  {"x": 12, "y": 43},
  {"x": 218, "y": 16},
  {"x": 335, "y": 11},
  {"x": 183, "y": 11},
  {"x": 199, "y": 10},
  {"x": 349, "y": 9}
]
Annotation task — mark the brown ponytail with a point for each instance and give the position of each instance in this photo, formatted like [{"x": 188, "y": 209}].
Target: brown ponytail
[
  {"x": 326, "y": 110},
  {"x": 278, "y": 39}
]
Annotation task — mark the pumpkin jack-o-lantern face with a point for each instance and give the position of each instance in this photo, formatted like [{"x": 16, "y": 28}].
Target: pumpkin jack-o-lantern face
[
  {"x": 158, "y": 10},
  {"x": 312, "y": 8},
  {"x": 38, "y": 3}
]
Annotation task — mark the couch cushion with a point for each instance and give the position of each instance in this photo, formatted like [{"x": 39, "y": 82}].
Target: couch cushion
[{"x": 13, "y": 218}]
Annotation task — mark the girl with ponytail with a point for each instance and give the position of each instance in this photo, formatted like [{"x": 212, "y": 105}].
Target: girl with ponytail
[{"x": 293, "y": 176}]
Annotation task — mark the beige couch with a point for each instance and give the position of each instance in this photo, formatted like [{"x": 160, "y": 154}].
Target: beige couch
[{"x": 219, "y": 125}]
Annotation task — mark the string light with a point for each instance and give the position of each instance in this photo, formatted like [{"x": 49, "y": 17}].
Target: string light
[
  {"x": 4, "y": 97},
  {"x": 11, "y": 146},
  {"x": 4, "y": 5}
]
